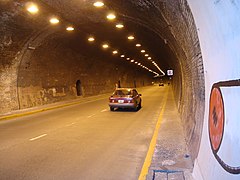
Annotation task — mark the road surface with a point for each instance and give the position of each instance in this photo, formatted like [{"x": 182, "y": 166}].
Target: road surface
[{"x": 83, "y": 141}]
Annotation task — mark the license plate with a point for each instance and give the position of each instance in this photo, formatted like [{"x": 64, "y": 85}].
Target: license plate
[{"x": 120, "y": 101}]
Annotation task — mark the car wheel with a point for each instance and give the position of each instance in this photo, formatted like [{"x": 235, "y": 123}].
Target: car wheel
[{"x": 111, "y": 108}]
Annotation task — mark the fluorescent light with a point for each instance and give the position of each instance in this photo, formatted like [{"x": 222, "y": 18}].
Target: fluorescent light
[
  {"x": 70, "y": 28},
  {"x": 98, "y": 4},
  {"x": 119, "y": 26},
  {"x": 131, "y": 37},
  {"x": 111, "y": 16},
  {"x": 138, "y": 45},
  {"x": 143, "y": 51},
  {"x": 91, "y": 39},
  {"x": 105, "y": 46},
  {"x": 32, "y": 8},
  {"x": 115, "y": 52},
  {"x": 54, "y": 21}
]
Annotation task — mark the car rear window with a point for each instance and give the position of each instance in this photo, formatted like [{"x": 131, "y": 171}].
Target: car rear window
[{"x": 123, "y": 92}]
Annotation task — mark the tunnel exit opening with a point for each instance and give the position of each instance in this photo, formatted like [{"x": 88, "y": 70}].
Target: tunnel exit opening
[{"x": 79, "y": 88}]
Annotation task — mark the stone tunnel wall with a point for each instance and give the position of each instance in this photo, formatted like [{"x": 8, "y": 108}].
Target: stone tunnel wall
[
  {"x": 50, "y": 72},
  {"x": 175, "y": 24},
  {"x": 191, "y": 100},
  {"x": 13, "y": 37}
]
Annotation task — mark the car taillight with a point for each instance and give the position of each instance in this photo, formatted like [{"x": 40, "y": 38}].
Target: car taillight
[{"x": 111, "y": 100}]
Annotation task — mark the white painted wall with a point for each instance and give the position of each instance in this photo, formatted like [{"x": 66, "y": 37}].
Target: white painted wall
[{"x": 218, "y": 23}]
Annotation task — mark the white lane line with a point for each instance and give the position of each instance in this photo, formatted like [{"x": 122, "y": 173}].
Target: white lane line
[
  {"x": 38, "y": 137},
  {"x": 104, "y": 110},
  {"x": 91, "y": 115}
]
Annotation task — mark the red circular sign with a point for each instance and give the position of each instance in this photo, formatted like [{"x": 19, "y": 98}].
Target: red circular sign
[{"x": 216, "y": 118}]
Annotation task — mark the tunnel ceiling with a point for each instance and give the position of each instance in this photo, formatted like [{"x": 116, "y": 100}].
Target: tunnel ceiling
[{"x": 136, "y": 16}]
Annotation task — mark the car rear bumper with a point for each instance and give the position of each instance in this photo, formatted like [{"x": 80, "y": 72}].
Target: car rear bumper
[{"x": 122, "y": 105}]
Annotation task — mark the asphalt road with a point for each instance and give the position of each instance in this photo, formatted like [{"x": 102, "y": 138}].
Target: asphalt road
[{"x": 84, "y": 141}]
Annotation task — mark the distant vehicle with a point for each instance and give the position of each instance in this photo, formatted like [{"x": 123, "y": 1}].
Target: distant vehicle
[{"x": 125, "y": 98}]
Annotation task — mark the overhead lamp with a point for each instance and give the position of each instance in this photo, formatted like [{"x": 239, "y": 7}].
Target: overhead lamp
[
  {"x": 122, "y": 56},
  {"x": 70, "y": 28},
  {"x": 139, "y": 64},
  {"x": 105, "y": 46},
  {"x": 111, "y": 16},
  {"x": 130, "y": 37},
  {"x": 32, "y": 8},
  {"x": 146, "y": 55},
  {"x": 115, "y": 52},
  {"x": 132, "y": 60},
  {"x": 119, "y": 26},
  {"x": 138, "y": 45},
  {"x": 136, "y": 62},
  {"x": 128, "y": 59},
  {"x": 149, "y": 58},
  {"x": 54, "y": 20},
  {"x": 143, "y": 51},
  {"x": 91, "y": 39},
  {"x": 98, "y": 4}
]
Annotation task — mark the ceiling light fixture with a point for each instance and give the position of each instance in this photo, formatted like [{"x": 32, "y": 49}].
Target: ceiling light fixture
[
  {"x": 143, "y": 51},
  {"x": 122, "y": 56},
  {"x": 98, "y": 4},
  {"x": 131, "y": 37},
  {"x": 146, "y": 55},
  {"x": 70, "y": 28},
  {"x": 119, "y": 26},
  {"x": 105, "y": 46},
  {"x": 138, "y": 45},
  {"x": 111, "y": 16},
  {"x": 149, "y": 58},
  {"x": 115, "y": 52},
  {"x": 91, "y": 39},
  {"x": 32, "y": 8},
  {"x": 54, "y": 20}
]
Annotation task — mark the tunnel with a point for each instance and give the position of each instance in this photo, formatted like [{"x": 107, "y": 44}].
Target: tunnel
[{"x": 82, "y": 54}]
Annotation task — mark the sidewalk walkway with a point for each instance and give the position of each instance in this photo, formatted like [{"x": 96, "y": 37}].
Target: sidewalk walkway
[{"x": 171, "y": 159}]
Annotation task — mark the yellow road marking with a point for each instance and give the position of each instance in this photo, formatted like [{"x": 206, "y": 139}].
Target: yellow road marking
[{"x": 153, "y": 142}]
